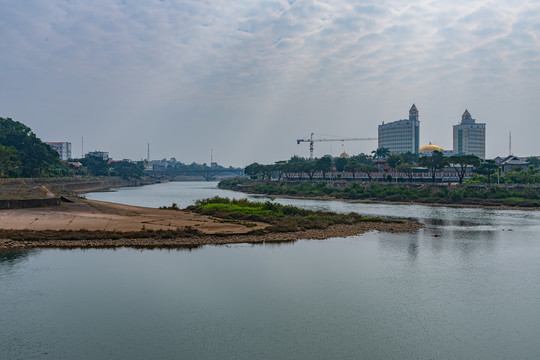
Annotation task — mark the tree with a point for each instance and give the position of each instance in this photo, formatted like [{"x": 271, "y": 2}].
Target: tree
[
  {"x": 252, "y": 170},
  {"x": 533, "y": 160},
  {"x": 394, "y": 160},
  {"x": 96, "y": 166},
  {"x": 434, "y": 163},
  {"x": 297, "y": 165},
  {"x": 278, "y": 167},
  {"x": 409, "y": 158},
  {"x": 127, "y": 169},
  {"x": 287, "y": 168},
  {"x": 461, "y": 162},
  {"x": 487, "y": 168},
  {"x": 353, "y": 166},
  {"x": 381, "y": 153},
  {"x": 36, "y": 158},
  {"x": 267, "y": 171},
  {"x": 309, "y": 168},
  {"x": 368, "y": 169},
  {"x": 407, "y": 169},
  {"x": 363, "y": 159},
  {"x": 324, "y": 164},
  {"x": 9, "y": 162},
  {"x": 340, "y": 163}
]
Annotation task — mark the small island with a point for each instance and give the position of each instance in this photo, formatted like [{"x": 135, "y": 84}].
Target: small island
[{"x": 83, "y": 223}]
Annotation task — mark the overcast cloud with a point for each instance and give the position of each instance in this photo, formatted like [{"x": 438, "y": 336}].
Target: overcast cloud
[{"x": 247, "y": 78}]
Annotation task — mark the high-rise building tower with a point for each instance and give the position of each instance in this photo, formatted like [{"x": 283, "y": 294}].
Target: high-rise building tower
[
  {"x": 63, "y": 148},
  {"x": 470, "y": 137},
  {"x": 401, "y": 136}
]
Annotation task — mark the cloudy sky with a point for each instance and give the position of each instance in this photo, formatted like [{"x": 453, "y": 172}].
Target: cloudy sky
[{"x": 246, "y": 78}]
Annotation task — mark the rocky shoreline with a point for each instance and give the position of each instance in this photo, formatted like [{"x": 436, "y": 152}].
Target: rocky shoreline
[{"x": 334, "y": 231}]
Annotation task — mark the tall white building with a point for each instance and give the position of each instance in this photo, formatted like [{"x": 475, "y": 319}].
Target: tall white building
[
  {"x": 470, "y": 137},
  {"x": 63, "y": 148},
  {"x": 401, "y": 136}
]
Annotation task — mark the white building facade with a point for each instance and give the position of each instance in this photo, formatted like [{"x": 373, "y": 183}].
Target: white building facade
[
  {"x": 470, "y": 137},
  {"x": 99, "y": 154},
  {"x": 63, "y": 149},
  {"x": 401, "y": 136}
]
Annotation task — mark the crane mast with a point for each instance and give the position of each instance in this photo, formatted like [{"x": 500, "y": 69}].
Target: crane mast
[{"x": 311, "y": 140}]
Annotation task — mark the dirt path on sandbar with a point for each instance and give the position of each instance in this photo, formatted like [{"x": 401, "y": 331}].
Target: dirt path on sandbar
[
  {"x": 97, "y": 224},
  {"x": 94, "y": 215}
]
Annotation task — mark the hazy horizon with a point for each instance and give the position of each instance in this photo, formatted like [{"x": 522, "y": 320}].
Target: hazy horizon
[{"x": 247, "y": 79}]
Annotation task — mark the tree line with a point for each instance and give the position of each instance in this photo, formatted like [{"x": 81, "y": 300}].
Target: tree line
[
  {"x": 406, "y": 164},
  {"x": 23, "y": 154}
]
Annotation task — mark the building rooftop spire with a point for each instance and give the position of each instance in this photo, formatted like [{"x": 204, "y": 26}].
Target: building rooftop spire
[
  {"x": 466, "y": 115},
  {"x": 414, "y": 110}
]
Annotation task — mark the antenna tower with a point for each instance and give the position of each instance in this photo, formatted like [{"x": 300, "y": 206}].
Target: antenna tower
[
  {"x": 510, "y": 143},
  {"x": 82, "y": 147},
  {"x": 148, "y": 153}
]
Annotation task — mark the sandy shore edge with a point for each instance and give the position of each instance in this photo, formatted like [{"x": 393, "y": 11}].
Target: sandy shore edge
[{"x": 335, "y": 231}]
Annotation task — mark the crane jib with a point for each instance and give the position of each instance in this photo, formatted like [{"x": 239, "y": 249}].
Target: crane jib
[{"x": 311, "y": 140}]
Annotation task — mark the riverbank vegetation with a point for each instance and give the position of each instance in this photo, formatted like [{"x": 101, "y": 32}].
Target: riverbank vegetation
[
  {"x": 23, "y": 154},
  {"x": 282, "y": 218},
  {"x": 493, "y": 195},
  {"x": 407, "y": 167}
]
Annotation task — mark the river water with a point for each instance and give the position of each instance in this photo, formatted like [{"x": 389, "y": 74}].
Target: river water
[{"x": 466, "y": 287}]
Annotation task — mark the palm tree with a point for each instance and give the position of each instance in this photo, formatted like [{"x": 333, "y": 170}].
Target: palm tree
[{"x": 381, "y": 153}]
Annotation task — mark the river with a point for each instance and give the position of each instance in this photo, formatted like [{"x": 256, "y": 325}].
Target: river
[{"x": 465, "y": 287}]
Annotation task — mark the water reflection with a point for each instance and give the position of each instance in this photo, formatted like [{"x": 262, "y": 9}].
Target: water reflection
[
  {"x": 413, "y": 249},
  {"x": 463, "y": 287},
  {"x": 11, "y": 258}
]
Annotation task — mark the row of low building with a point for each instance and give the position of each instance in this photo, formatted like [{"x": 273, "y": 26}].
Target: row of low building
[{"x": 403, "y": 136}]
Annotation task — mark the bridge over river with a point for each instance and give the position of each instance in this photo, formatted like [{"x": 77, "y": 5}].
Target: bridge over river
[{"x": 208, "y": 174}]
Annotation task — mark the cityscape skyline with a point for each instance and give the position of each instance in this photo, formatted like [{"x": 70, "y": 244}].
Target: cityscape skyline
[
  {"x": 248, "y": 79},
  {"x": 399, "y": 136}
]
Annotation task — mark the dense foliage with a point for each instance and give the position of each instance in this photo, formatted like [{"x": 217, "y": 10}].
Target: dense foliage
[
  {"x": 518, "y": 176},
  {"x": 300, "y": 168},
  {"x": 283, "y": 218},
  {"x": 23, "y": 154},
  {"x": 481, "y": 195}
]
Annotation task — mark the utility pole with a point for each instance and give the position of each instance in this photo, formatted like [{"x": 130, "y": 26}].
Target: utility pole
[
  {"x": 82, "y": 147},
  {"x": 510, "y": 143},
  {"x": 148, "y": 153}
]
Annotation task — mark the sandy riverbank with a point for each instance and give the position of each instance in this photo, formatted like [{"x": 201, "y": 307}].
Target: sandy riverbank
[{"x": 116, "y": 219}]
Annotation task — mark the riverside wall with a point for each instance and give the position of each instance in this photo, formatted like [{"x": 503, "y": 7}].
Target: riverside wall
[
  {"x": 29, "y": 203},
  {"x": 42, "y": 192}
]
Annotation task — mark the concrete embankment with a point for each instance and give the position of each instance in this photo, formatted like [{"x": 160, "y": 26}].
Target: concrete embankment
[{"x": 43, "y": 192}]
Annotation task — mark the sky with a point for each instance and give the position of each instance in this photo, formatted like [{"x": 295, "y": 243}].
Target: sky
[{"x": 244, "y": 79}]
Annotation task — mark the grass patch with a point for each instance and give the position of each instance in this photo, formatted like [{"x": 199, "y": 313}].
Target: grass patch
[{"x": 282, "y": 218}]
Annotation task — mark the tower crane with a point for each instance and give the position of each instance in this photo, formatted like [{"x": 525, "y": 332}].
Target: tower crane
[{"x": 311, "y": 140}]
